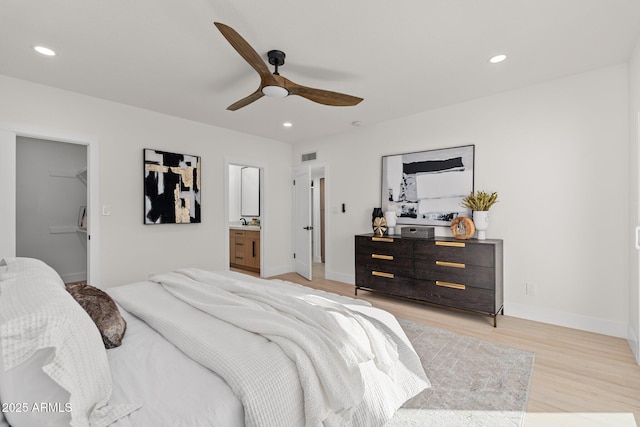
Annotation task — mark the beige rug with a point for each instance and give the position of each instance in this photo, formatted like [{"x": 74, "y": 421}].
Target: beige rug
[{"x": 474, "y": 382}]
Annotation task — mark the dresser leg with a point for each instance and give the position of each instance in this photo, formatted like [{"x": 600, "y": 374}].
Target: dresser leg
[
  {"x": 495, "y": 321},
  {"x": 356, "y": 291}
]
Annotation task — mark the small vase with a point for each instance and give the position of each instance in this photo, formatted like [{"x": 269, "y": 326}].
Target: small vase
[
  {"x": 390, "y": 216},
  {"x": 481, "y": 222},
  {"x": 376, "y": 213}
]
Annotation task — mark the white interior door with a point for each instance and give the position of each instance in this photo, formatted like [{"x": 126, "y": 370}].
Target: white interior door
[{"x": 302, "y": 228}]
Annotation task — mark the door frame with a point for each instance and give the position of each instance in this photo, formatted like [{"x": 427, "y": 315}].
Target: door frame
[
  {"x": 228, "y": 161},
  {"x": 8, "y": 228}
]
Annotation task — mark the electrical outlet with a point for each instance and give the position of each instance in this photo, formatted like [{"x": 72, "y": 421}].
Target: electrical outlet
[
  {"x": 530, "y": 289},
  {"x": 106, "y": 210}
]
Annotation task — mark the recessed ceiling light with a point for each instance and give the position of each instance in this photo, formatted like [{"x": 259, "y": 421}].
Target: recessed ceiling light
[
  {"x": 287, "y": 124},
  {"x": 44, "y": 50},
  {"x": 497, "y": 58}
]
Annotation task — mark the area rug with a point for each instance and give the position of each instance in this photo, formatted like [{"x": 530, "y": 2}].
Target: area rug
[{"x": 473, "y": 382}]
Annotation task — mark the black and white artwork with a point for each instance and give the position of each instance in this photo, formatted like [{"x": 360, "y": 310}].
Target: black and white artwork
[
  {"x": 171, "y": 187},
  {"x": 427, "y": 187}
]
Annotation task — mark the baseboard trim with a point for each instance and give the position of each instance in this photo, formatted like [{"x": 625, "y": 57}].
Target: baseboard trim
[{"x": 568, "y": 320}]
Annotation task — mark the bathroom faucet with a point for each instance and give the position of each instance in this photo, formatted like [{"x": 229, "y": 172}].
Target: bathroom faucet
[{"x": 244, "y": 221}]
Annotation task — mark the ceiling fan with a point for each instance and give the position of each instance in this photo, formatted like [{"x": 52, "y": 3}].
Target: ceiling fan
[{"x": 275, "y": 85}]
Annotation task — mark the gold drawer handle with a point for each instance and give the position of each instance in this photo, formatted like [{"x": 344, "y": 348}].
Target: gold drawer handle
[
  {"x": 452, "y": 244},
  {"x": 378, "y": 256},
  {"x": 382, "y": 239},
  {"x": 382, "y": 274},
  {"x": 450, "y": 264},
  {"x": 451, "y": 285}
]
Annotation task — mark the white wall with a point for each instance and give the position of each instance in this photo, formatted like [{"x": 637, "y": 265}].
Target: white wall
[
  {"x": 7, "y": 192},
  {"x": 49, "y": 196},
  {"x": 130, "y": 250},
  {"x": 634, "y": 200},
  {"x": 557, "y": 155}
]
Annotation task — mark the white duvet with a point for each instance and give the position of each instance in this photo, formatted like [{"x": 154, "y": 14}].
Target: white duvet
[
  {"x": 293, "y": 356},
  {"x": 173, "y": 389}
]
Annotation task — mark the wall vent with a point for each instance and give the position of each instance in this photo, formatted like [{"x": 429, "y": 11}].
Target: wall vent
[{"x": 309, "y": 156}]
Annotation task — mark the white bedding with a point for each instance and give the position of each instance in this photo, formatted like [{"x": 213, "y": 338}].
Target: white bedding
[
  {"x": 173, "y": 389},
  {"x": 277, "y": 382}
]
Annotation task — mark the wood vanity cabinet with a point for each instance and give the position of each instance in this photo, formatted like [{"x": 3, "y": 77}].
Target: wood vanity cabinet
[
  {"x": 244, "y": 249},
  {"x": 459, "y": 274}
]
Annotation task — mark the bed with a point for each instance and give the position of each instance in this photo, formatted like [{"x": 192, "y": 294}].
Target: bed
[{"x": 201, "y": 348}]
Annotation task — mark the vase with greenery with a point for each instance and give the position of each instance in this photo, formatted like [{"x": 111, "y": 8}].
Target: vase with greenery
[{"x": 480, "y": 202}]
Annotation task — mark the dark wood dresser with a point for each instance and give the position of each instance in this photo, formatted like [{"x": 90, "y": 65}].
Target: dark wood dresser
[{"x": 458, "y": 274}]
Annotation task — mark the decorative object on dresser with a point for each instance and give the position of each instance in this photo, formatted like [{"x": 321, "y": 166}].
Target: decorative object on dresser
[
  {"x": 480, "y": 203},
  {"x": 462, "y": 227},
  {"x": 418, "y": 232},
  {"x": 378, "y": 222},
  {"x": 463, "y": 275},
  {"x": 391, "y": 218},
  {"x": 427, "y": 187}
]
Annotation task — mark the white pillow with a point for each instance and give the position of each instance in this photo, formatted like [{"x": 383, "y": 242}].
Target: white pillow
[{"x": 47, "y": 336}]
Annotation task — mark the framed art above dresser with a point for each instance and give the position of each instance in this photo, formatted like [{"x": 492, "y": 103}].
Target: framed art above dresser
[{"x": 458, "y": 274}]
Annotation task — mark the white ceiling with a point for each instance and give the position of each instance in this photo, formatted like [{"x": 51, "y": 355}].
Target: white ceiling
[{"x": 402, "y": 56}]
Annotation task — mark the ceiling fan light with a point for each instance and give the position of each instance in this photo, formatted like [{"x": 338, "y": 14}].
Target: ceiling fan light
[
  {"x": 497, "y": 58},
  {"x": 44, "y": 50},
  {"x": 275, "y": 91}
]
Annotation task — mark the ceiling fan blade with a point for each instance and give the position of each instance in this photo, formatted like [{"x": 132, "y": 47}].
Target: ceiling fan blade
[
  {"x": 320, "y": 96},
  {"x": 246, "y": 100},
  {"x": 246, "y": 51}
]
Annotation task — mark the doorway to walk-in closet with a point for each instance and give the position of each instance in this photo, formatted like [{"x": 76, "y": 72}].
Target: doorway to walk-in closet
[{"x": 51, "y": 205}]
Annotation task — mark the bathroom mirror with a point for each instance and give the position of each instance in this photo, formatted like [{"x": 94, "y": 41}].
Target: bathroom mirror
[{"x": 250, "y": 191}]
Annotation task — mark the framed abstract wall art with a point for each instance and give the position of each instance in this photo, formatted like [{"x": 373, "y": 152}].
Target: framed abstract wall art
[
  {"x": 172, "y": 184},
  {"x": 427, "y": 187}
]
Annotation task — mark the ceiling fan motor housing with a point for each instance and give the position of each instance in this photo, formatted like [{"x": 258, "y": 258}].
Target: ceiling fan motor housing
[{"x": 276, "y": 57}]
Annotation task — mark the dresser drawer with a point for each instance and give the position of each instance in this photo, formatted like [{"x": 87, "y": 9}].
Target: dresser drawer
[
  {"x": 385, "y": 263},
  {"x": 382, "y": 281},
  {"x": 448, "y": 294},
  {"x": 469, "y": 275},
  {"x": 402, "y": 248},
  {"x": 455, "y": 251}
]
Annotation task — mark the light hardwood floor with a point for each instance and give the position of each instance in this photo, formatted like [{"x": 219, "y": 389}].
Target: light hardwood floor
[{"x": 574, "y": 372}]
